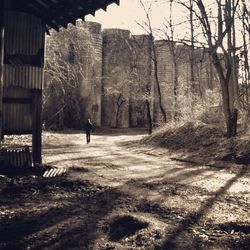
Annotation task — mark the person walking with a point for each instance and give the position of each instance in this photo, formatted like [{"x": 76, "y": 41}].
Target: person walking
[{"x": 88, "y": 129}]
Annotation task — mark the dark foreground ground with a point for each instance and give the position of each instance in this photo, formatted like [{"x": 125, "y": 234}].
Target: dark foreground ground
[{"x": 122, "y": 195}]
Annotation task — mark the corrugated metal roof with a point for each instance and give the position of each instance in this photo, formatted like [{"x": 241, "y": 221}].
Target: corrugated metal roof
[{"x": 58, "y": 13}]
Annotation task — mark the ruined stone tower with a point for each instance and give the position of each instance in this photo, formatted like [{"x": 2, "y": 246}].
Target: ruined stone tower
[
  {"x": 116, "y": 78},
  {"x": 117, "y": 75},
  {"x": 141, "y": 79},
  {"x": 91, "y": 87},
  {"x": 166, "y": 78}
]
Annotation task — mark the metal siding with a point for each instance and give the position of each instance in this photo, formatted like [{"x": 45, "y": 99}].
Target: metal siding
[
  {"x": 17, "y": 92},
  {"x": 24, "y": 34},
  {"x": 17, "y": 116},
  {"x": 23, "y": 76}
]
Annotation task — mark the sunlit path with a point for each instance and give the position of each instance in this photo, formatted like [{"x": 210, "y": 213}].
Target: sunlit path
[{"x": 110, "y": 162}]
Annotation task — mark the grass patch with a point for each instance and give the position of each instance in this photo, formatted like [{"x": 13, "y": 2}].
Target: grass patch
[{"x": 203, "y": 141}]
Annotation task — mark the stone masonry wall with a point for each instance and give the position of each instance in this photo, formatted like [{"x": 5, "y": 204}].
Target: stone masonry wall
[
  {"x": 141, "y": 80},
  {"x": 204, "y": 78},
  {"x": 91, "y": 87},
  {"x": 165, "y": 76},
  {"x": 126, "y": 73},
  {"x": 116, "y": 77}
]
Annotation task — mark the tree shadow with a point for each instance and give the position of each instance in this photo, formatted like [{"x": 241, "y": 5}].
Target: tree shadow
[
  {"x": 74, "y": 221},
  {"x": 69, "y": 221},
  {"x": 190, "y": 220}
]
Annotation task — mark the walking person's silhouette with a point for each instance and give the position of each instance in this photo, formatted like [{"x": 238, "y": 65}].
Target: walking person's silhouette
[{"x": 88, "y": 127}]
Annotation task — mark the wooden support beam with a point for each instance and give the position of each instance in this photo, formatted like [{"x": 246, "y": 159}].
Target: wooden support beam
[
  {"x": 37, "y": 126},
  {"x": 1, "y": 66},
  {"x": 17, "y": 132},
  {"x": 20, "y": 100}
]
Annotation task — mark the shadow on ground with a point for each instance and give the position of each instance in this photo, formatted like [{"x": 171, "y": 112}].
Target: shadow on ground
[
  {"x": 63, "y": 213},
  {"x": 53, "y": 213}
]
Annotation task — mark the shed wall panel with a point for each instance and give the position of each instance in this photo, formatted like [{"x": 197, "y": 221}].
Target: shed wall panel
[
  {"x": 23, "y": 76},
  {"x": 24, "y": 36},
  {"x": 24, "y": 33},
  {"x": 17, "y": 117}
]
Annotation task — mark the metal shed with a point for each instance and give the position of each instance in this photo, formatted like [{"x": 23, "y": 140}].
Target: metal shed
[{"x": 23, "y": 24}]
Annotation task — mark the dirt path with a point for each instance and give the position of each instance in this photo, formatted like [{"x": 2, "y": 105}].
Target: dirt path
[
  {"x": 207, "y": 203},
  {"x": 118, "y": 195}
]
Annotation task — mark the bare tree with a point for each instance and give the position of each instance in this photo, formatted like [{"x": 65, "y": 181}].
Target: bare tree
[
  {"x": 118, "y": 92},
  {"x": 65, "y": 73},
  {"x": 191, "y": 56},
  {"x": 175, "y": 53},
  {"x": 178, "y": 47},
  {"x": 220, "y": 35},
  {"x": 149, "y": 30},
  {"x": 141, "y": 84},
  {"x": 245, "y": 76}
]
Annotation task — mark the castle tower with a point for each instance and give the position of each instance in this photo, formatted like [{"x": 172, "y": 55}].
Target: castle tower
[
  {"x": 166, "y": 80},
  {"x": 141, "y": 69},
  {"x": 116, "y": 78},
  {"x": 91, "y": 56}
]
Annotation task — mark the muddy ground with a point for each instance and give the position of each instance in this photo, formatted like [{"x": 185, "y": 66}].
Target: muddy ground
[{"x": 119, "y": 195}]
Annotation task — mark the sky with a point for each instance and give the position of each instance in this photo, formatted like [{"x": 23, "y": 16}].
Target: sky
[{"x": 128, "y": 14}]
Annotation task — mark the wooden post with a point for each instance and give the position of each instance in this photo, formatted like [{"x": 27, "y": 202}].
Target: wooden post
[
  {"x": 1, "y": 66},
  {"x": 37, "y": 126}
]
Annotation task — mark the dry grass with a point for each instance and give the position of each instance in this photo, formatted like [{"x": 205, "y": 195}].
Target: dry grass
[{"x": 203, "y": 141}]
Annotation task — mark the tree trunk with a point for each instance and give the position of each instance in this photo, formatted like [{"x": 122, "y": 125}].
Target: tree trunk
[
  {"x": 191, "y": 58},
  {"x": 172, "y": 48},
  {"x": 175, "y": 88},
  {"x": 117, "y": 117},
  {"x": 232, "y": 124},
  {"x": 246, "y": 122},
  {"x": 231, "y": 78},
  {"x": 154, "y": 59},
  {"x": 158, "y": 87},
  {"x": 200, "y": 79},
  {"x": 1, "y": 66},
  {"x": 119, "y": 103},
  {"x": 149, "y": 118},
  {"x": 246, "y": 70},
  {"x": 230, "y": 113},
  {"x": 228, "y": 81}
]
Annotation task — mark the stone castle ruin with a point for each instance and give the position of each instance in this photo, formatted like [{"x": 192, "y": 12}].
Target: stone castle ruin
[{"x": 117, "y": 75}]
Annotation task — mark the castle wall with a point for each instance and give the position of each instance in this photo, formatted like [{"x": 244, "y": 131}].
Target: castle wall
[
  {"x": 166, "y": 80},
  {"x": 116, "y": 77},
  {"x": 141, "y": 80},
  {"x": 91, "y": 84},
  {"x": 187, "y": 96}
]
